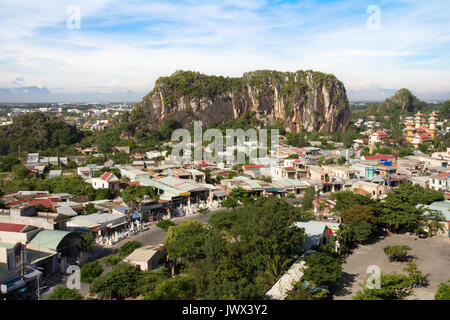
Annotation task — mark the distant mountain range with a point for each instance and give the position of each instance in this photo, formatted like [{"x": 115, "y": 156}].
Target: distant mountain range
[
  {"x": 35, "y": 94},
  {"x": 380, "y": 94},
  {"x": 43, "y": 95}
]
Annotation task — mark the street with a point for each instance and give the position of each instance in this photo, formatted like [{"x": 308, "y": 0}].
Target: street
[{"x": 151, "y": 236}]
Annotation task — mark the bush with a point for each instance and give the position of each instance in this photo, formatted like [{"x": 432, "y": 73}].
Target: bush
[
  {"x": 165, "y": 224},
  {"x": 396, "y": 253},
  {"x": 128, "y": 248},
  {"x": 443, "y": 292},
  {"x": 64, "y": 293},
  {"x": 121, "y": 282},
  {"x": 178, "y": 288},
  {"x": 112, "y": 260},
  {"x": 90, "y": 271}
]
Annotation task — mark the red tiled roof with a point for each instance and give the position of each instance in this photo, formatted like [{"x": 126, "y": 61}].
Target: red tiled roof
[
  {"x": 106, "y": 175},
  {"x": 12, "y": 227},
  {"x": 289, "y": 169},
  {"x": 444, "y": 174},
  {"x": 381, "y": 156}
]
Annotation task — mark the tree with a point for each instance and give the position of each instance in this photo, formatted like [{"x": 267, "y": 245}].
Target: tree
[
  {"x": 20, "y": 171},
  {"x": 89, "y": 209},
  {"x": 90, "y": 271},
  {"x": 121, "y": 282},
  {"x": 41, "y": 208},
  {"x": 392, "y": 287},
  {"x": 134, "y": 195},
  {"x": 396, "y": 253},
  {"x": 203, "y": 211},
  {"x": 361, "y": 220},
  {"x": 443, "y": 291},
  {"x": 165, "y": 224},
  {"x": 398, "y": 210},
  {"x": 232, "y": 175},
  {"x": 347, "y": 199},
  {"x": 322, "y": 269},
  {"x": 64, "y": 293},
  {"x": 87, "y": 242},
  {"x": 308, "y": 196},
  {"x": 127, "y": 248},
  {"x": 150, "y": 279},
  {"x": 342, "y": 160},
  {"x": 178, "y": 288},
  {"x": 228, "y": 203},
  {"x": 277, "y": 267},
  {"x": 417, "y": 279},
  {"x": 185, "y": 241},
  {"x": 112, "y": 260}
]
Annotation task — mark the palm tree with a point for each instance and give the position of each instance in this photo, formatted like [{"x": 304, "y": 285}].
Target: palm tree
[{"x": 277, "y": 267}]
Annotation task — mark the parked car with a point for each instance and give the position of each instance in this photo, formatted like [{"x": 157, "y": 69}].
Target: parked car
[{"x": 422, "y": 235}]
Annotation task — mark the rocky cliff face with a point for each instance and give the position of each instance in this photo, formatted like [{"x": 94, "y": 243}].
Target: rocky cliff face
[{"x": 312, "y": 100}]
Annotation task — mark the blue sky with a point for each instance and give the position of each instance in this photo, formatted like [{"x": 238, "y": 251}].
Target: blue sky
[{"x": 128, "y": 44}]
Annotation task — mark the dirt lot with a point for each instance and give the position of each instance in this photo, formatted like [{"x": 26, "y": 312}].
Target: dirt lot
[{"x": 431, "y": 255}]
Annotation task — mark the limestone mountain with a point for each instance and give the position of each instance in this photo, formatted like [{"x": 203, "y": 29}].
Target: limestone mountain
[
  {"x": 313, "y": 100},
  {"x": 402, "y": 100}
]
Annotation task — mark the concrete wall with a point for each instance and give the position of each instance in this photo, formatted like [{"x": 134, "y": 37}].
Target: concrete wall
[{"x": 39, "y": 222}]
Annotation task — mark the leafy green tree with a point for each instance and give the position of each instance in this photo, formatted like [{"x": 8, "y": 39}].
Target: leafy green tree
[
  {"x": 185, "y": 241},
  {"x": 87, "y": 242},
  {"x": 178, "y": 288},
  {"x": 20, "y": 171},
  {"x": 398, "y": 210},
  {"x": 392, "y": 287},
  {"x": 232, "y": 175},
  {"x": 165, "y": 224},
  {"x": 8, "y": 162},
  {"x": 64, "y": 293},
  {"x": 347, "y": 199},
  {"x": 342, "y": 160},
  {"x": 89, "y": 209},
  {"x": 396, "y": 253},
  {"x": 127, "y": 248},
  {"x": 443, "y": 291},
  {"x": 121, "y": 158},
  {"x": 150, "y": 279},
  {"x": 134, "y": 195},
  {"x": 41, "y": 208},
  {"x": 112, "y": 260},
  {"x": 361, "y": 220},
  {"x": 229, "y": 203},
  {"x": 121, "y": 282},
  {"x": 307, "y": 199},
  {"x": 90, "y": 271},
  {"x": 416, "y": 276},
  {"x": 277, "y": 267},
  {"x": 322, "y": 269}
]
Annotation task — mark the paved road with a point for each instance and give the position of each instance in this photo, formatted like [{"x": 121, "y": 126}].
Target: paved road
[
  {"x": 152, "y": 236},
  {"x": 432, "y": 256}
]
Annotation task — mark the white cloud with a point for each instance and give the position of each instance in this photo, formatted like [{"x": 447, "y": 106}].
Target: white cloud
[{"x": 229, "y": 38}]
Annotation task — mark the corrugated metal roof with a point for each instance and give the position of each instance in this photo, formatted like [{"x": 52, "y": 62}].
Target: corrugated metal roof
[
  {"x": 50, "y": 239},
  {"x": 143, "y": 254}
]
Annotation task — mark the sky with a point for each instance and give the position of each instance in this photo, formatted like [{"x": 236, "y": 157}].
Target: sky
[{"x": 102, "y": 46}]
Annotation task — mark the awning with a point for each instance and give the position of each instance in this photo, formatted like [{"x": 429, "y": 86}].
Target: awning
[
  {"x": 31, "y": 275},
  {"x": 12, "y": 285}
]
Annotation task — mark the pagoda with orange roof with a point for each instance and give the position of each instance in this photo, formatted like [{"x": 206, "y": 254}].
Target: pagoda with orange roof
[{"x": 419, "y": 132}]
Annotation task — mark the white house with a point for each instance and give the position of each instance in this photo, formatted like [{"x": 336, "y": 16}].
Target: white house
[{"x": 107, "y": 181}]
